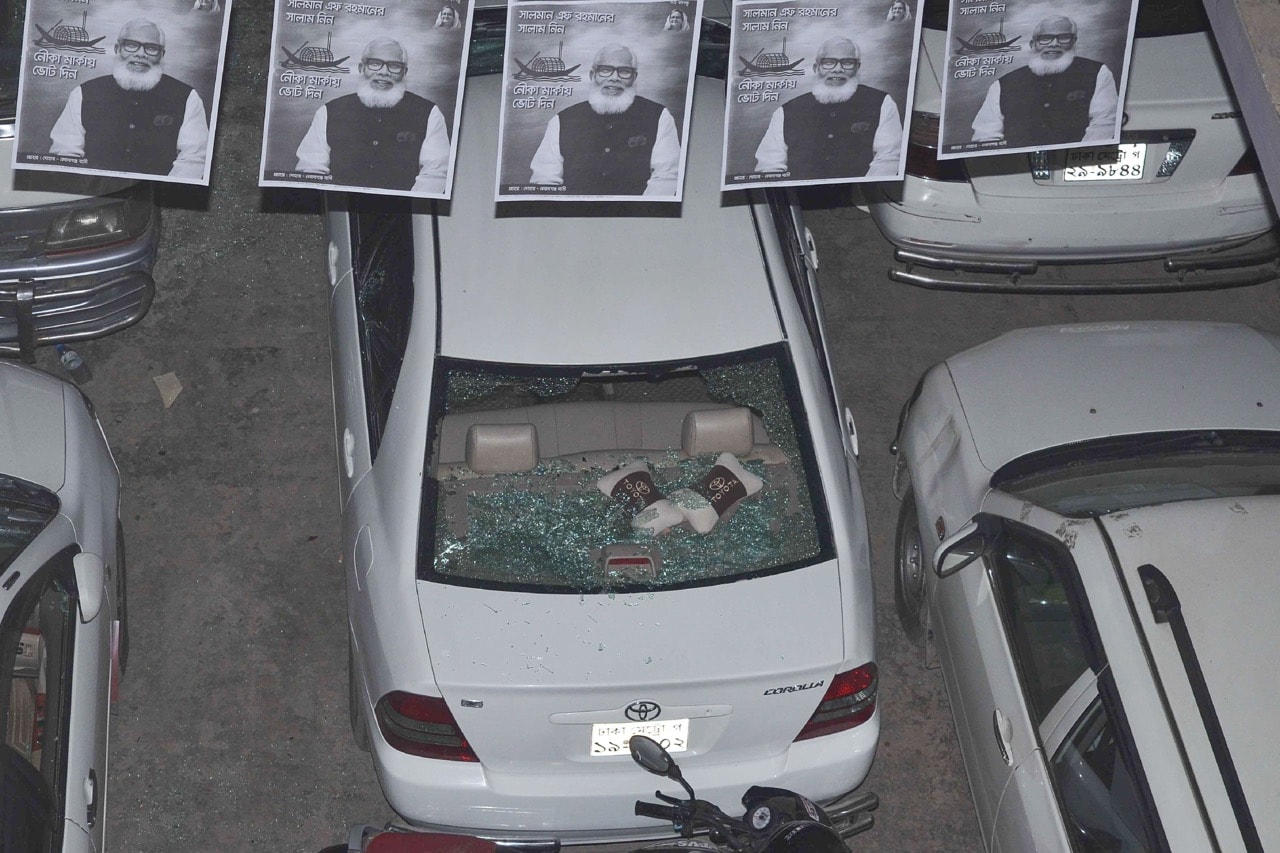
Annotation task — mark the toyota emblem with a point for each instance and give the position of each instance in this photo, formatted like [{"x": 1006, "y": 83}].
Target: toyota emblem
[{"x": 642, "y": 712}]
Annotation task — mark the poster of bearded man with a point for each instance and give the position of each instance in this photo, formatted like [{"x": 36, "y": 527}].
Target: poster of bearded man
[
  {"x": 1034, "y": 76},
  {"x": 365, "y": 96},
  {"x": 596, "y": 99},
  {"x": 819, "y": 91},
  {"x": 127, "y": 88}
]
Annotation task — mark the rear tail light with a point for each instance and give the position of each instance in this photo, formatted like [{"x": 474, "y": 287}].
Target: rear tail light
[
  {"x": 922, "y": 152},
  {"x": 422, "y": 725},
  {"x": 849, "y": 701},
  {"x": 1247, "y": 164}
]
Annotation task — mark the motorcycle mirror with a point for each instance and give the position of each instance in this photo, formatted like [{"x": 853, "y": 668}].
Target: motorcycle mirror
[{"x": 650, "y": 755}]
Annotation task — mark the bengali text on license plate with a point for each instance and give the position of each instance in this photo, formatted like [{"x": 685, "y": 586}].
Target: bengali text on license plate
[
  {"x": 1121, "y": 163},
  {"x": 612, "y": 738}
]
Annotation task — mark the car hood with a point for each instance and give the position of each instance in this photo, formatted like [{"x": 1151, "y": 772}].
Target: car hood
[
  {"x": 32, "y": 426},
  {"x": 22, "y": 189},
  {"x": 1031, "y": 389},
  {"x": 1219, "y": 557},
  {"x": 545, "y": 667}
]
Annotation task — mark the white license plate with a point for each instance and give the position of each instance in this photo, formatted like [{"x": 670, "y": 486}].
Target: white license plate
[
  {"x": 612, "y": 738},
  {"x": 1121, "y": 163}
]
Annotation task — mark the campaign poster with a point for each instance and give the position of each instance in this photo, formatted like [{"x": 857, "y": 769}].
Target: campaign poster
[
  {"x": 365, "y": 96},
  {"x": 596, "y": 99},
  {"x": 121, "y": 87},
  {"x": 819, "y": 91},
  {"x": 1034, "y": 76}
]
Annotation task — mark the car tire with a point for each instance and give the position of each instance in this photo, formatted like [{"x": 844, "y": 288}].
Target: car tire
[
  {"x": 909, "y": 571},
  {"x": 359, "y": 730},
  {"x": 122, "y": 600}
]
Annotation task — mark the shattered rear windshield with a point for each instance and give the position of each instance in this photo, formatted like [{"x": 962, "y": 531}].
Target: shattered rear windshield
[{"x": 633, "y": 477}]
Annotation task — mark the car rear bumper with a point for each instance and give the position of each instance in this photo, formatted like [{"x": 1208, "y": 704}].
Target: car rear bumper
[
  {"x": 598, "y": 807},
  {"x": 71, "y": 296},
  {"x": 945, "y": 240}
]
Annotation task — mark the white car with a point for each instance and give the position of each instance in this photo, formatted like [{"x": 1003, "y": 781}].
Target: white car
[
  {"x": 1196, "y": 214},
  {"x": 517, "y": 387},
  {"x": 62, "y": 614},
  {"x": 1088, "y": 538}
]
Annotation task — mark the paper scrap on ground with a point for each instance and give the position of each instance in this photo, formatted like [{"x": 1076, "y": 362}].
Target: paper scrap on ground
[{"x": 169, "y": 387}]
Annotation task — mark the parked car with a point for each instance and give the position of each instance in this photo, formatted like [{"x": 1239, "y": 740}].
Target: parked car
[
  {"x": 63, "y": 635},
  {"x": 76, "y": 251},
  {"x": 1196, "y": 215},
  {"x": 1090, "y": 517},
  {"x": 517, "y": 387}
]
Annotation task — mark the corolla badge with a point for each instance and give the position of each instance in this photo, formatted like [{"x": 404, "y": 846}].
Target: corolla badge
[{"x": 643, "y": 711}]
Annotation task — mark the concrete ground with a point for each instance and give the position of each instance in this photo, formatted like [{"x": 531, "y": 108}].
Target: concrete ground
[{"x": 232, "y": 731}]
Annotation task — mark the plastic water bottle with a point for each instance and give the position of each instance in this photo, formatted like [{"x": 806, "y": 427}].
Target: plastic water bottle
[{"x": 73, "y": 364}]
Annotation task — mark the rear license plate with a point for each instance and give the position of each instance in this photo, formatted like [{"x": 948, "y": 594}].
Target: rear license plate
[
  {"x": 612, "y": 738},
  {"x": 1121, "y": 163}
]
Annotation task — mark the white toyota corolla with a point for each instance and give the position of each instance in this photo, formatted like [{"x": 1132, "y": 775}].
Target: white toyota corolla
[
  {"x": 1088, "y": 541},
  {"x": 595, "y": 481},
  {"x": 62, "y": 610}
]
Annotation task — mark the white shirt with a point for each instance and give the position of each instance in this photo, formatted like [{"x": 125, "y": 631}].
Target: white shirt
[
  {"x": 433, "y": 156},
  {"x": 886, "y": 146},
  {"x": 67, "y": 136},
  {"x": 988, "y": 124},
  {"x": 664, "y": 161}
]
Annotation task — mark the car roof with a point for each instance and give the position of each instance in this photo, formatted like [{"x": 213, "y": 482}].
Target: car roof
[
  {"x": 1218, "y": 555},
  {"x": 545, "y": 282},
  {"x": 1032, "y": 389},
  {"x": 32, "y": 426}
]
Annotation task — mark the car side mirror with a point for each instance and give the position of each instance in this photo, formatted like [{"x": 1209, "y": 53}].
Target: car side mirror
[
  {"x": 91, "y": 577},
  {"x": 969, "y": 544},
  {"x": 650, "y": 755}
]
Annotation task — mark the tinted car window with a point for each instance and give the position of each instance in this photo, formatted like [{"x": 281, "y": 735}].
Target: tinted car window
[
  {"x": 382, "y": 234},
  {"x": 1104, "y": 805},
  {"x": 25, "y": 509},
  {"x": 1028, "y": 572},
  {"x": 551, "y": 528}
]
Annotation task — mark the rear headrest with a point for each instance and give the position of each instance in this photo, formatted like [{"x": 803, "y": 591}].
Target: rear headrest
[
  {"x": 502, "y": 448},
  {"x": 717, "y": 431}
]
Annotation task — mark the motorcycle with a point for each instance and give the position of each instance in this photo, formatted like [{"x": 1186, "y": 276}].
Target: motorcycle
[{"x": 775, "y": 821}]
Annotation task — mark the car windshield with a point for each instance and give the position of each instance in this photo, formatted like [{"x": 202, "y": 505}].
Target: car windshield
[
  {"x": 1155, "y": 17},
  {"x": 11, "y": 17},
  {"x": 25, "y": 509},
  {"x": 1098, "y": 477},
  {"x": 558, "y": 516}
]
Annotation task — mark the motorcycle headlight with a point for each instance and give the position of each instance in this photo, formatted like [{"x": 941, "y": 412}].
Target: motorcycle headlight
[{"x": 99, "y": 225}]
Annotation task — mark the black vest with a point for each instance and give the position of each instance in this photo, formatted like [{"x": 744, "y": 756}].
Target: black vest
[
  {"x": 128, "y": 131},
  {"x": 376, "y": 147},
  {"x": 1048, "y": 110},
  {"x": 609, "y": 154},
  {"x": 831, "y": 140}
]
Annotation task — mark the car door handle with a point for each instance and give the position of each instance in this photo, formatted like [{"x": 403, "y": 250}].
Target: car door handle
[
  {"x": 1004, "y": 735},
  {"x": 91, "y": 797},
  {"x": 348, "y": 452}
]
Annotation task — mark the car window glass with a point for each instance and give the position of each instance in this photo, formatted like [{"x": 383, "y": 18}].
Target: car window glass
[
  {"x": 1027, "y": 571},
  {"x": 36, "y": 638},
  {"x": 1104, "y": 807},
  {"x": 382, "y": 234},
  {"x": 25, "y": 510},
  {"x": 519, "y": 494}
]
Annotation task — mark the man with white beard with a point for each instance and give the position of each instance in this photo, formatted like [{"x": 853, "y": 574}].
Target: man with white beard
[
  {"x": 1056, "y": 98},
  {"x": 382, "y": 136},
  {"x": 840, "y": 129},
  {"x": 615, "y": 142},
  {"x": 136, "y": 119}
]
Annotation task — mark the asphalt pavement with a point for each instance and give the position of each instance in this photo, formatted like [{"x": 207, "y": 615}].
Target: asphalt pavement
[{"x": 232, "y": 731}]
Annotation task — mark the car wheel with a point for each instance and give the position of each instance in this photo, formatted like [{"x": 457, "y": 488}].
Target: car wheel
[
  {"x": 122, "y": 600},
  {"x": 909, "y": 569},
  {"x": 355, "y": 706}
]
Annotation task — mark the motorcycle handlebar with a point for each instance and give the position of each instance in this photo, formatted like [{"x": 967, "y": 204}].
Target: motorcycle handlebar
[{"x": 660, "y": 812}]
